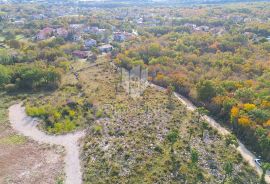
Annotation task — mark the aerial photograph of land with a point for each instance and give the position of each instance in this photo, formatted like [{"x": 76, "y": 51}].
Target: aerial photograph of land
[{"x": 134, "y": 91}]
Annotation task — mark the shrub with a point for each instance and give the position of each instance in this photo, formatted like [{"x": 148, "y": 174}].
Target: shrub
[
  {"x": 99, "y": 113},
  {"x": 69, "y": 125},
  {"x": 231, "y": 140},
  {"x": 97, "y": 129},
  {"x": 57, "y": 115}
]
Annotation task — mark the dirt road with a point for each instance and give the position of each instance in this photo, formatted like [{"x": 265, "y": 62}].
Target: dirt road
[
  {"x": 28, "y": 127},
  {"x": 246, "y": 154}
]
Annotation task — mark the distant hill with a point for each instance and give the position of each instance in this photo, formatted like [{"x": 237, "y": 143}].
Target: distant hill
[{"x": 135, "y": 2}]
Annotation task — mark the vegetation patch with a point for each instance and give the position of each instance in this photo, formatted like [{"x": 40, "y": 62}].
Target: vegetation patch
[{"x": 12, "y": 140}]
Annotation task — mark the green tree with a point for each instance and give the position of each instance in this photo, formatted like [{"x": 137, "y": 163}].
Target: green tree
[
  {"x": 4, "y": 75},
  {"x": 203, "y": 126},
  {"x": 206, "y": 91},
  {"x": 228, "y": 168},
  {"x": 245, "y": 94},
  {"x": 172, "y": 137},
  {"x": 200, "y": 112},
  {"x": 231, "y": 139},
  {"x": 169, "y": 91},
  {"x": 194, "y": 157},
  {"x": 190, "y": 132},
  {"x": 265, "y": 168}
]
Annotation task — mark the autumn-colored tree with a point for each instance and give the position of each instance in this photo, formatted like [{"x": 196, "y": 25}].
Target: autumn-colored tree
[
  {"x": 244, "y": 121},
  {"x": 235, "y": 112}
]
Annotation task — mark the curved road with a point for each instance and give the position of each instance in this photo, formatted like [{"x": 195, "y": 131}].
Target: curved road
[
  {"x": 246, "y": 154},
  {"x": 28, "y": 127}
]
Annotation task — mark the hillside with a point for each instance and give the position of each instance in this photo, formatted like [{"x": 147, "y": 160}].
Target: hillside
[
  {"x": 134, "y": 92},
  {"x": 145, "y": 139}
]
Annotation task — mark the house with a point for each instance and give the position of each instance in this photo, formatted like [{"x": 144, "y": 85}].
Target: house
[
  {"x": 119, "y": 36},
  {"x": 191, "y": 26},
  {"x": 139, "y": 21},
  {"x": 80, "y": 54},
  {"x": 92, "y": 58},
  {"x": 45, "y": 33},
  {"x": 90, "y": 43},
  {"x": 105, "y": 48},
  {"x": 218, "y": 31},
  {"x": 87, "y": 29},
  {"x": 202, "y": 29},
  {"x": 76, "y": 28},
  {"x": 38, "y": 17},
  {"x": 122, "y": 36},
  {"x": 251, "y": 35},
  {"x": 18, "y": 22},
  {"x": 61, "y": 32},
  {"x": 76, "y": 37},
  {"x": 94, "y": 30}
]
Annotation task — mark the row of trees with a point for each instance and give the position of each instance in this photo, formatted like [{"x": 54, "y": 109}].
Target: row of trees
[{"x": 29, "y": 77}]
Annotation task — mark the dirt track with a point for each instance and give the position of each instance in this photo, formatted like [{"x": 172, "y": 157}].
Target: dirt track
[{"x": 28, "y": 127}]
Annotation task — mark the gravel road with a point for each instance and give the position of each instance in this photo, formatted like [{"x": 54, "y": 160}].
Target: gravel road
[{"x": 27, "y": 126}]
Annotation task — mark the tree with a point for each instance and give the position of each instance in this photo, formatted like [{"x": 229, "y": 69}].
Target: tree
[
  {"x": 190, "y": 132},
  {"x": 200, "y": 112},
  {"x": 206, "y": 91},
  {"x": 231, "y": 139},
  {"x": 228, "y": 168},
  {"x": 245, "y": 94},
  {"x": 172, "y": 137},
  {"x": 265, "y": 168},
  {"x": 194, "y": 157},
  {"x": 5, "y": 57},
  {"x": 204, "y": 125},
  {"x": 154, "y": 50},
  {"x": 4, "y": 75},
  {"x": 169, "y": 91}
]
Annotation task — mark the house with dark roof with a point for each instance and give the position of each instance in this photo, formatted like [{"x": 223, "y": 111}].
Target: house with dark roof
[{"x": 105, "y": 48}]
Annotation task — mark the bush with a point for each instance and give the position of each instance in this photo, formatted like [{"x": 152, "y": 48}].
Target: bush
[
  {"x": 62, "y": 127},
  {"x": 99, "y": 113},
  {"x": 231, "y": 140},
  {"x": 97, "y": 129}
]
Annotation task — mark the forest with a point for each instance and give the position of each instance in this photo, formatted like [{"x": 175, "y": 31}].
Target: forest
[{"x": 228, "y": 74}]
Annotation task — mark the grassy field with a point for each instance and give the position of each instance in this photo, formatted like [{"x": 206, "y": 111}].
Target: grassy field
[
  {"x": 149, "y": 139},
  {"x": 130, "y": 143}
]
